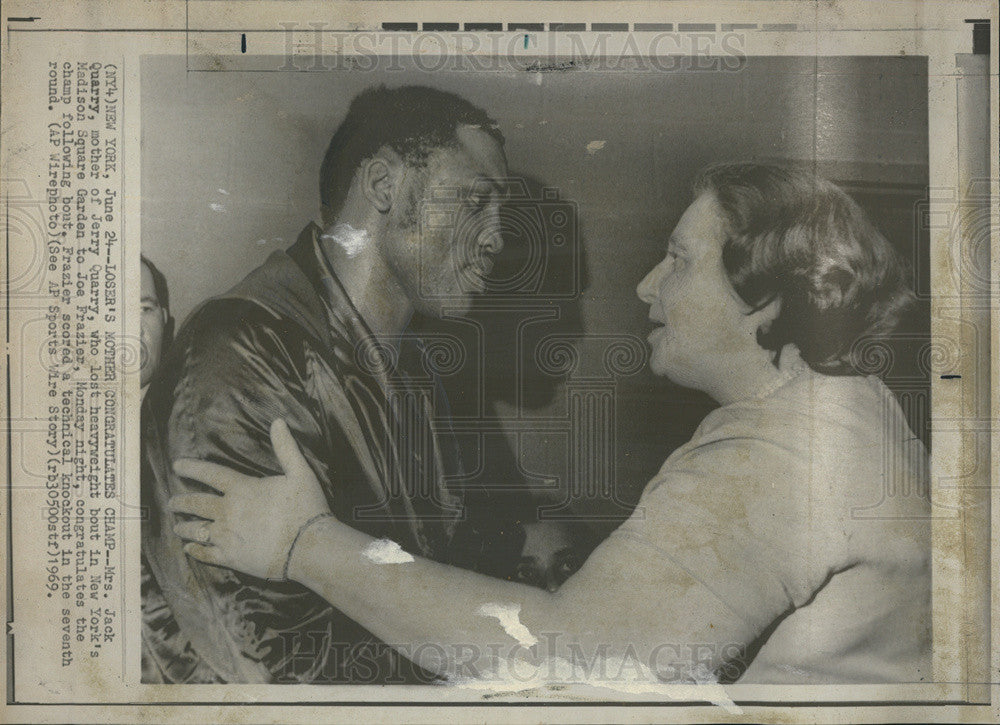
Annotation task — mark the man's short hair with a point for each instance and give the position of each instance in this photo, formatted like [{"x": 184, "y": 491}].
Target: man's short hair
[
  {"x": 411, "y": 120},
  {"x": 798, "y": 238}
]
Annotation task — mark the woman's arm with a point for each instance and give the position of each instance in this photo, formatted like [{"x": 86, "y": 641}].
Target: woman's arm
[
  {"x": 450, "y": 621},
  {"x": 631, "y": 605},
  {"x": 628, "y": 613},
  {"x": 280, "y": 528}
]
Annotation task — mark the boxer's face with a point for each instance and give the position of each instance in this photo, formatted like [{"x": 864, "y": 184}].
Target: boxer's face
[{"x": 443, "y": 258}]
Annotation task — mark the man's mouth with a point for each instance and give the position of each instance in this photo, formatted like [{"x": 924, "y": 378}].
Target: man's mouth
[
  {"x": 475, "y": 276},
  {"x": 481, "y": 268}
]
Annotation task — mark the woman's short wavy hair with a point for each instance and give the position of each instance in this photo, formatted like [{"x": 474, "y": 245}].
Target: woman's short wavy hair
[{"x": 798, "y": 238}]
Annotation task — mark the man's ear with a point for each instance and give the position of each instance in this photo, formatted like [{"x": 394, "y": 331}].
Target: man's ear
[{"x": 378, "y": 179}]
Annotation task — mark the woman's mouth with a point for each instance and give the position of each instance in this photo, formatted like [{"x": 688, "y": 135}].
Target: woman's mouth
[{"x": 658, "y": 327}]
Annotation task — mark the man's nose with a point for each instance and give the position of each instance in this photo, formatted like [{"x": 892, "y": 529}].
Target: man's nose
[
  {"x": 491, "y": 238},
  {"x": 649, "y": 286}
]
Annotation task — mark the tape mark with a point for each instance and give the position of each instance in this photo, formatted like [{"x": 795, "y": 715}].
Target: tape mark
[
  {"x": 508, "y": 615},
  {"x": 351, "y": 240},
  {"x": 386, "y": 551}
]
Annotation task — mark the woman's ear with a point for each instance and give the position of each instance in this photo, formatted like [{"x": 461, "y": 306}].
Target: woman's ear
[{"x": 762, "y": 319}]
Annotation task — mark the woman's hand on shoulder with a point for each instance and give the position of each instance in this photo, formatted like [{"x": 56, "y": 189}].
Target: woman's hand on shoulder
[{"x": 252, "y": 523}]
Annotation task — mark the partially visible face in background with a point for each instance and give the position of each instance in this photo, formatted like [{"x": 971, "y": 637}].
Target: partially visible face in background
[
  {"x": 549, "y": 556},
  {"x": 154, "y": 321}
]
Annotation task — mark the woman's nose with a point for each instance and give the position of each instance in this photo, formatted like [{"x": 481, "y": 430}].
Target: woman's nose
[{"x": 649, "y": 286}]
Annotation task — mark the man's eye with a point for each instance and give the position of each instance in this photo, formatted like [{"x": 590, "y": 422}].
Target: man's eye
[
  {"x": 529, "y": 573},
  {"x": 568, "y": 565},
  {"x": 474, "y": 207}
]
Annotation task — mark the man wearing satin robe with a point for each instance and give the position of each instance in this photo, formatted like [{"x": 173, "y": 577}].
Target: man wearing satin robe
[{"x": 317, "y": 336}]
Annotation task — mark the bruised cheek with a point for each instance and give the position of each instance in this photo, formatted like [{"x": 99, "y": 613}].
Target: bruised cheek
[{"x": 437, "y": 257}]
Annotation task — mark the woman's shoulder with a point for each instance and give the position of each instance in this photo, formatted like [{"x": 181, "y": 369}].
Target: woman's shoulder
[
  {"x": 832, "y": 447},
  {"x": 847, "y": 395},
  {"x": 793, "y": 473},
  {"x": 851, "y": 416},
  {"x": 810, "y": 408},
  {"x": 835, "y": 434}
]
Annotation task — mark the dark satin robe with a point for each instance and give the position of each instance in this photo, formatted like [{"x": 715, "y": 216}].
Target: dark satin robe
[{"x": 286, "y": 342}]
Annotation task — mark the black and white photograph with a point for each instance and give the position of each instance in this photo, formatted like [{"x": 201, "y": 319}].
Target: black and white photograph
[
  {"x": 540, "y": 351},
  {"x": 500, "y": 362}
]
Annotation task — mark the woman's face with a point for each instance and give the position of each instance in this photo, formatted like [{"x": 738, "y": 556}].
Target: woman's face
[{"x": 703, "y": 329}]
